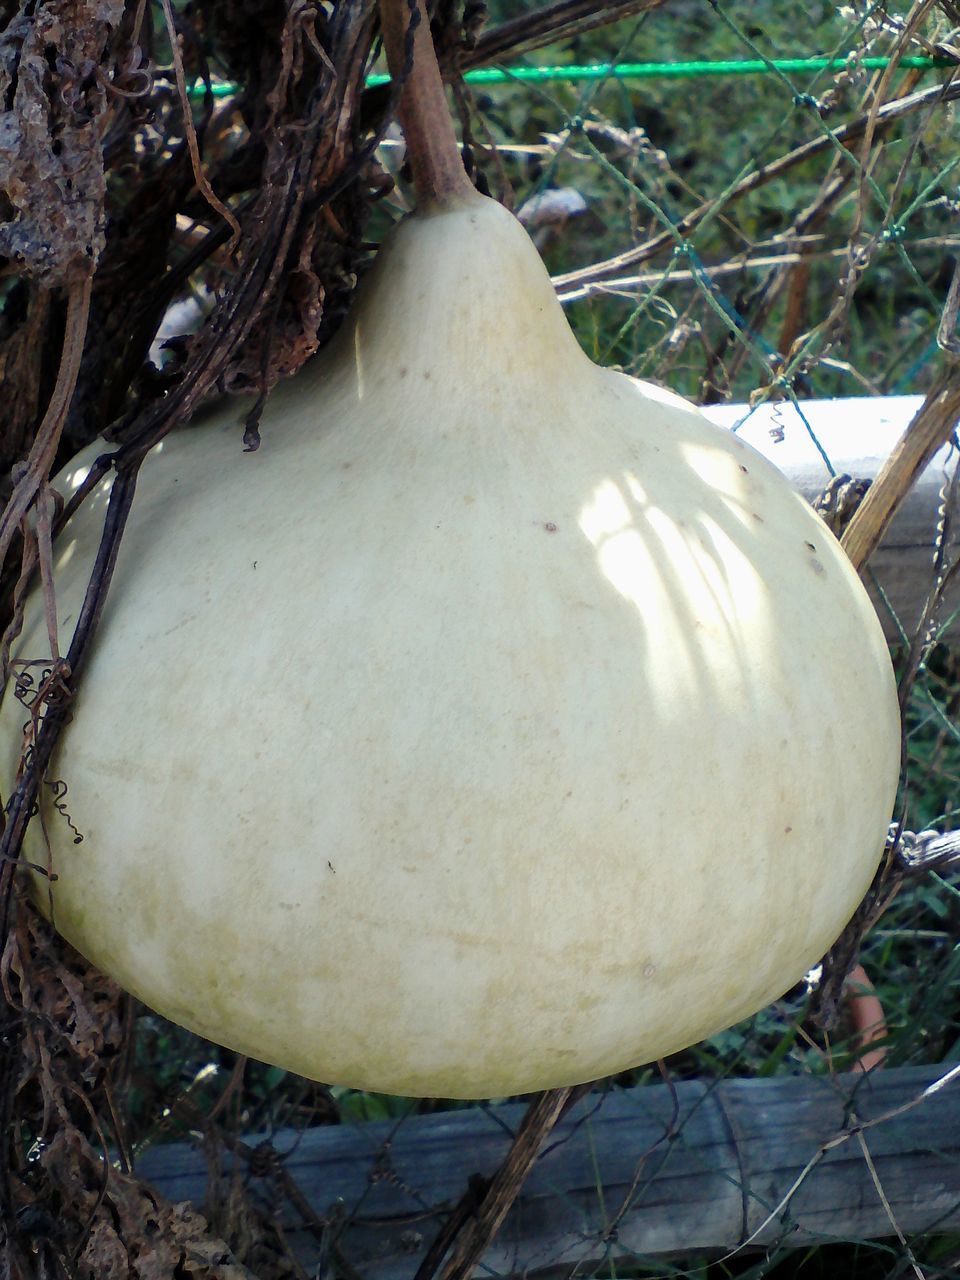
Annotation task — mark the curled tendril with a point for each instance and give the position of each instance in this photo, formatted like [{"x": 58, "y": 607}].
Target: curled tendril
[
  {"x": 24, "y": 688},
  {"x": 52, "y": 680},
  {"x": 59, "y": 789}
]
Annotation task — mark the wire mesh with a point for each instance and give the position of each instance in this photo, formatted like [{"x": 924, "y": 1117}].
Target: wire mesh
[{"x": 783, "y": 238}]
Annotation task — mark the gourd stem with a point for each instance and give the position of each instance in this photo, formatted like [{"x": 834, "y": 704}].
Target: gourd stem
[{"x": 438, "y": 172}]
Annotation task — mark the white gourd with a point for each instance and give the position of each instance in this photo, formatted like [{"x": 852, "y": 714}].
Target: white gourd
[{"x": 500, "y": 724}]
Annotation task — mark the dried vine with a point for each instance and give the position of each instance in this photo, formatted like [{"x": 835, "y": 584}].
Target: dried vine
[{"x": 304, "y": 157}]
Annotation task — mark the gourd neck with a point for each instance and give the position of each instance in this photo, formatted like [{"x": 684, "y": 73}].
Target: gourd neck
[{"x": 459, "y": 289}]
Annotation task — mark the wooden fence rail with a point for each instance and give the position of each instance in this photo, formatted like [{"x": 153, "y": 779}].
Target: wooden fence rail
[{"x": 635, "y": 1173}]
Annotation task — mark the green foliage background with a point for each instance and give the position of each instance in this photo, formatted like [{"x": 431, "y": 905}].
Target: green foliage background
[{"x": 699, "y": 136}]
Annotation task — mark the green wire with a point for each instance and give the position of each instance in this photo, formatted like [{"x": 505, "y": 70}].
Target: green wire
[{"x": 648, "y": 71}]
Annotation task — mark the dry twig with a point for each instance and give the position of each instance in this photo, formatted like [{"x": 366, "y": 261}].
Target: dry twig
[
  {"x": 931, "y": 428},
  {"x": 885, "y": 118},
  {"x": 542, "y": 1115}
]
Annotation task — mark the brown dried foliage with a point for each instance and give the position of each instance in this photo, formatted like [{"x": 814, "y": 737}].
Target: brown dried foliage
[
  {"x": 97, "y": 183},
  {"x": 73, "y": 1212}
]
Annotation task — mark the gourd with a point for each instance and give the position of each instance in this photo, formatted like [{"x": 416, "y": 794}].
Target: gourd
[{"x": 499, "y": 724}]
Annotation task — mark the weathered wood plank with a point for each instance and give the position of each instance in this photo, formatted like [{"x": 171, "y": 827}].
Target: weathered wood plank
[
  {"x": 704, "y": 1178},
  {"x": 857, "y": 435}
]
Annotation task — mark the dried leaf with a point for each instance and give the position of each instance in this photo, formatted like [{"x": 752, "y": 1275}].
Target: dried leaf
[{"x": 155, "y": 1240}]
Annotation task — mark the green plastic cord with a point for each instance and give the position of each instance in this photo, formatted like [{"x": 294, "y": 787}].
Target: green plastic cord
[{"x": 649, "y": 71}]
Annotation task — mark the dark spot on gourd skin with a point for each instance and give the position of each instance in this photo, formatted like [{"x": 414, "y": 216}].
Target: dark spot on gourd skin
[
  {"x": 550, "y": 527},
  {"x": 815, "y": 565}
]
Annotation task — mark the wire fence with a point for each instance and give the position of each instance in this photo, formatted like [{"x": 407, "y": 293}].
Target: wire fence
[{"x": 781, "y": 235}]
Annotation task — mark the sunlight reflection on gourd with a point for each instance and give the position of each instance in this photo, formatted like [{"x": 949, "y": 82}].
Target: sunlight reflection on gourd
[
  {"x": 627, "y": 562},
  {"x": 624, "y": 558},
  {"x": 716, "y": 467},
  {"x": 605, "y": 515},
  {"x": 66, "y": 554},
  {"x": 72, "y": 480},
  {"x": 741, "y": 485},
  {"x": 637, "y": 491},
  {"x": 693, "y": 581},
  {"x": 736, "y": 588}
]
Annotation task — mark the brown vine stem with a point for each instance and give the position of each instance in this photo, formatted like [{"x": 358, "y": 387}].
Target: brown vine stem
[
  {"x": 239, "y": 312},
  {"x": 38, "y": 464},
  {"x": 559, "y": 21},
  {"x": 57, "y": 711},
  {"x": 438, "y": 172},
  {"x": 541, "y": 1116},
  {"x": 931, "y": 428},
  {"x": 935, "y": 422},
  {"x": 203, "y": 182}
]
